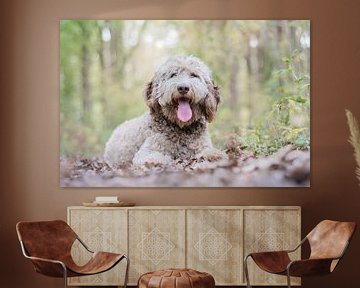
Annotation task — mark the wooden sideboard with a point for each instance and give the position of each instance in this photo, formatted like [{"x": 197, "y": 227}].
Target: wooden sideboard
[{"x": 212, "y": 239}]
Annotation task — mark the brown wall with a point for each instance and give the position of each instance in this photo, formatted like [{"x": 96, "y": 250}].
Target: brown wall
[{"x": 29, "y": 114}]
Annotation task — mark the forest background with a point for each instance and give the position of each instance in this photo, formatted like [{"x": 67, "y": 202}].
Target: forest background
[{"x": 262, "y": 68}]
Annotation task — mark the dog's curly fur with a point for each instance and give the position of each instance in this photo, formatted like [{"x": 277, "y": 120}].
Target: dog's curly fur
[{"x": 161, "y": 137}]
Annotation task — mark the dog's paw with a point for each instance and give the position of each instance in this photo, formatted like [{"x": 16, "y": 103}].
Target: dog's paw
[
  {"x": 151, "y": 160},
  {"x": 152, "y": 163},
  {"x": 212, "y": 155}
]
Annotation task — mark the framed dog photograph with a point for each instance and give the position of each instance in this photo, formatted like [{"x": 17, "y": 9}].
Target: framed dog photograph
[{"x": 184, "y": 103}]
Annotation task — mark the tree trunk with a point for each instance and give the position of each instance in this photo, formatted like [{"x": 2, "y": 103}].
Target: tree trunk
[
  {"x": 103, "y": 76},
  {"x": 85, "y": 71},
  {"x": 233, "y": 85},
  {"x": 85, "y": 62}
]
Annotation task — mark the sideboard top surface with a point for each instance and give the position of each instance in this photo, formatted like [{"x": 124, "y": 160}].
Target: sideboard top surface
[{"x": 193, "y": 207}]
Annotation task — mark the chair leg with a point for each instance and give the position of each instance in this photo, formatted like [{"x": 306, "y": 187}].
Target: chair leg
[
  {"x": 127, "y": 271},
  {"x": 65, "y": 276},
  {"x": 288, "y": 278},
  {"x": 246, "y": 272}
]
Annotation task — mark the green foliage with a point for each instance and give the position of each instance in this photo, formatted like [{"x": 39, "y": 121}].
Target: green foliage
[{"x": 288, "y": 121}]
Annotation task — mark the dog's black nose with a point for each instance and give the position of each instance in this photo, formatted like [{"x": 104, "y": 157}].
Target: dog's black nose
[{"x": 183, "y": 89}]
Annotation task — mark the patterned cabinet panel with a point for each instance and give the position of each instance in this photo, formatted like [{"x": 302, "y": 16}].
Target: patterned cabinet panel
[
  {"x": 271, "y": 229},
  {"x": 210, "y": 239},
  {"x": 214, "y": 244},
  {"x": 101, "y": 230},
  {"x": 156, "y": 240}
]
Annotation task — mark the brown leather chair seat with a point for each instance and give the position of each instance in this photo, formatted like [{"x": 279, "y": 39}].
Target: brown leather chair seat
[{"x": 176, "y": 278}]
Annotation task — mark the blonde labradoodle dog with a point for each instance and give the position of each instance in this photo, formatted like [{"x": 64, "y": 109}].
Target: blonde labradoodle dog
[{"x": 182, "y": 98}]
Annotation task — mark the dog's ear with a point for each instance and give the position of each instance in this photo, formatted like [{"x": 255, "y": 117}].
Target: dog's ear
[
  {"x": 211, "y": 102},
  {"x": 150, "y": 99}
]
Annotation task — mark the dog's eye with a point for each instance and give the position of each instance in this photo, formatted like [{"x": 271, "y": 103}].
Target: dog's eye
[
  {"x": 172, "y": 75},
  {"x": 194, "y": 75}
]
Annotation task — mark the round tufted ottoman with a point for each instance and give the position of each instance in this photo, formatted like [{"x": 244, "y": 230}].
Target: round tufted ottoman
[{"x": 176, "y": 278}]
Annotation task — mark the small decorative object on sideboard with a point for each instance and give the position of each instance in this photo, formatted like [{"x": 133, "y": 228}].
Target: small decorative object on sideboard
[{"x": 108, "y": 201}]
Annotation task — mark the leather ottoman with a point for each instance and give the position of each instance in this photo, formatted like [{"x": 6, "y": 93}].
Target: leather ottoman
[{"x": 176, "y": 278}]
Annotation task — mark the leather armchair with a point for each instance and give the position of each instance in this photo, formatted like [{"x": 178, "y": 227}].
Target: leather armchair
[
  {"x": 48, "y": 245},
  {"x": 328, "y": 242}
]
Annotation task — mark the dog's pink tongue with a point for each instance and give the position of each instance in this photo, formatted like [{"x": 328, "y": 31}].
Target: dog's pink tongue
[{"x": 184, "y": 112}]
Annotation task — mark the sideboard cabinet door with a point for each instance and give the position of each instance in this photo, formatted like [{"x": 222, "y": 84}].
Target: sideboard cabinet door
[
  {"x": 101, "y": 230},
  {"x": 269, "y": 230},
  {"x": 214, "y": 244},
  {"x": 156, "y": 240}
]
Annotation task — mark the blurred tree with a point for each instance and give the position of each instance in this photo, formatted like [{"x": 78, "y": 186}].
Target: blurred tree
[{"x": 85, "y": 70}]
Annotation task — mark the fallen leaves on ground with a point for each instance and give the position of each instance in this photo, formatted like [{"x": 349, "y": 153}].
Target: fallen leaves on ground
[{"x": 287, "y": 167}]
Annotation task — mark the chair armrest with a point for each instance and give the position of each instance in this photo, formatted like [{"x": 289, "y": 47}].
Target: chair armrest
[
  {"x": 268, "y": 253},
  {"x": 48, "y": 267},
  {"x": 309, "y": 267},
  {"x": 280, "y": 251},
  {"x": 46, "y": 260},
  {"x": 271, "y": 261}
]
